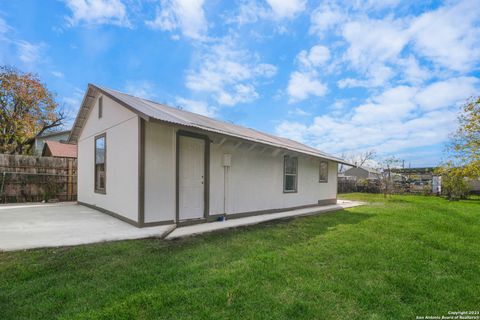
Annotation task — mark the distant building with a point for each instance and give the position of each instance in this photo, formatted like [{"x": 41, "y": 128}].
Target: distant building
[
  {"x": 419, "y": 180},
  {"x": 59, "y": 149},
  {"x": 60, "y": 136},
  {"x": 361, "y": 173}
]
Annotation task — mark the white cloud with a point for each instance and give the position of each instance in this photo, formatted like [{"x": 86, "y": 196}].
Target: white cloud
[
  {"x": 325, "y": 17},
  {"x": 292, "y": 130},
  {"x": 229, "y": 74},
  {"x": 74, "y": 101},
  {"x": 400, "y": 118},
  {"x": 412, "y": 71},
  {"x": 248, "y": 12},
  {"x": 447, "y": 93},
  {"x": 377, "y": 75},
  {"x": 4, "y": 27},
  {"x": 375, "y": 4},
  {"x": 384, "y": 48},
  {"x": 317, "y": 56},
  {"x": 142, "y": 89},
  {"x": 92, "y": 12},
  {"x": 298, "y": 112},
  {"x": 304, "y": 84},
  {"x": 373, "y": 41},
  {"x": 199, "y": 107},
  {"x": 28, "y": 52},
  {"x": 57, "y": 74},
  {"x": 450, "y": 35},
  {"x": 286, "y": 9},
  {"x": 186, "y": 15}
]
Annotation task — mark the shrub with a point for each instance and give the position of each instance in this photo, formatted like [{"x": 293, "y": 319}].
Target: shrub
[{"x": 454, "y": 186}]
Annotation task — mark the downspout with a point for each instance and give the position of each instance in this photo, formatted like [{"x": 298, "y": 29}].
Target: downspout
[{"x": 225, "y": 189}]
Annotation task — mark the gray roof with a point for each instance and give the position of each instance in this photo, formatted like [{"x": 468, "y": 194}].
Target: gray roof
[
  {"x": 148, "y": 109},
  {"x": 368, "y": 169},
  {"x": 53, "y": 133}
]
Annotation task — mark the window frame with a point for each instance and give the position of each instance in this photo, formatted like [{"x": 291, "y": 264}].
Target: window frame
[
  {"x": 104, "y": 189},
  {"x": 285, "y": 174},
  {"x": 320, "y": 171},
  {"x": 100, "y": 107}
]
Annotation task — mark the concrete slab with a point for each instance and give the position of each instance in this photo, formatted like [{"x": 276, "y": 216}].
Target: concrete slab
[
  {"x": 64, "y": 224},
  {"x": 232, "y": 223}
]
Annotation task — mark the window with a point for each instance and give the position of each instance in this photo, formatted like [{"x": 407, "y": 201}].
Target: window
[
  {"x": 100, "y": 107},
  {"x": 100, "y": 162},
  {"x": 290, "y": 168},
  {"x": 323, "y": 171}
]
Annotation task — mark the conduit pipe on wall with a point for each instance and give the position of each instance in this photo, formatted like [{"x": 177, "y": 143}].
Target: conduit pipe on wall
[{"x": 226, "y": 162}]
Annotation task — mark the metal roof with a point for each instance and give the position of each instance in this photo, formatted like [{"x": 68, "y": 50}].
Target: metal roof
[
  {"x": 149, "y": 109},
  {"x": 59, "y": 149}
]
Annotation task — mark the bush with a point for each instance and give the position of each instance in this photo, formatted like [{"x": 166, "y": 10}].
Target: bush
[{"x": 454, "y": 186}]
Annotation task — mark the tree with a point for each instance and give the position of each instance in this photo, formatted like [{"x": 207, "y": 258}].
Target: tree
[
  {"x": 465, "y": 144},
  {"x": 358, "y": 159},
  {"x": 454, "y": 186},
  {"x": 463, "y": 153},
  {"x": 386, "y": 176},
  {"x": 27, "y": 109}
]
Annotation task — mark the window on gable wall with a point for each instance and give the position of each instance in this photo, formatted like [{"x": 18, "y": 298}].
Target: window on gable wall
[
  {"x": 100, "y": 163},
  {"x": 290, "y": 171},
  {"x": 323, "y": 176}
]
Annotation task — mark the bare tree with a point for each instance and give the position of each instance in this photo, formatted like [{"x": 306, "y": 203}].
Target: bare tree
[
  {"x": 358, "y": 159},
  {"x": 386, "y": 178},
  {"x": 365, "y": 156}
]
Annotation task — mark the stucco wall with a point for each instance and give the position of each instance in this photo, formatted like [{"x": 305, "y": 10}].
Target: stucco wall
[
  {"x": 121, "y": 128},
  {"x": 255, "y": 178}
]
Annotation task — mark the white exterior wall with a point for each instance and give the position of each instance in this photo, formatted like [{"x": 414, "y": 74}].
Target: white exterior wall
[
  {"x": 122, "y": 131},
  {"x": 255, "y": 179},
  {"x": 159, "y": 172}
]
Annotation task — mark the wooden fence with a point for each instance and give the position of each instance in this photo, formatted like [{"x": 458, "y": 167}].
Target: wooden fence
[{"x": 33, "y": 179}]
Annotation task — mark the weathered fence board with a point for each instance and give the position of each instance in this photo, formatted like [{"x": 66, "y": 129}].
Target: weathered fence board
[{"x": 32, "y": 178}]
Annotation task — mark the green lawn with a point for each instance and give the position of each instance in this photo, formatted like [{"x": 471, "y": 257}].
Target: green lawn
[{"x": 393, "y": 259}]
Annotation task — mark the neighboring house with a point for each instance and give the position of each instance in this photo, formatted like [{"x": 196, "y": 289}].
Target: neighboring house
[
  {"x": 361, "y": 173},
  {"x": 59, "y": 149},
  {"x": 149, "y": 164},
  {"x": 61, "y": 136}
]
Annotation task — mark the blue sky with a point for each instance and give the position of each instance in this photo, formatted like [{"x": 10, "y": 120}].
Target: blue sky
[{"x": 342, "y": 76}]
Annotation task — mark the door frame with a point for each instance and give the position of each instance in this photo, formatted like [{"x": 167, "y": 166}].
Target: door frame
[{"x": 206, "y": 180}]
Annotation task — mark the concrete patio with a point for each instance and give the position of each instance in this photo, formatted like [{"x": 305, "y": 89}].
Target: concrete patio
[
  {"x": 64, "y": 224},
  {"x": 68, "y": 224}
]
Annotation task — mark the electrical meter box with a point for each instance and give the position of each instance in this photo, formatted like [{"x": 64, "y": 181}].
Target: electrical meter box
[{"x": 227, "y": 160}]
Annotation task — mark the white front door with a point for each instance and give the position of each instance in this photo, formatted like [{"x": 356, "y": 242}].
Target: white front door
[{"x": 191, "y": 178}]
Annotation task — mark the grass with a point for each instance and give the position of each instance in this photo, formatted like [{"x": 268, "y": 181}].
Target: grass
[{"x": 398, "y": 258}]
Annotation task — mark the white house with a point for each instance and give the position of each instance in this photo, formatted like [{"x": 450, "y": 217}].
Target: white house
[{"x": 149, "y": 164}]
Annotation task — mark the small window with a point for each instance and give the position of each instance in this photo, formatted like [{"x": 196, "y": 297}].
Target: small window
[
  {"x": 290, "y": 169},
  {"x": 100, "y": 107},
  {"x": 323, "y": 171},
  {"x": 100, "y": 163}
]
